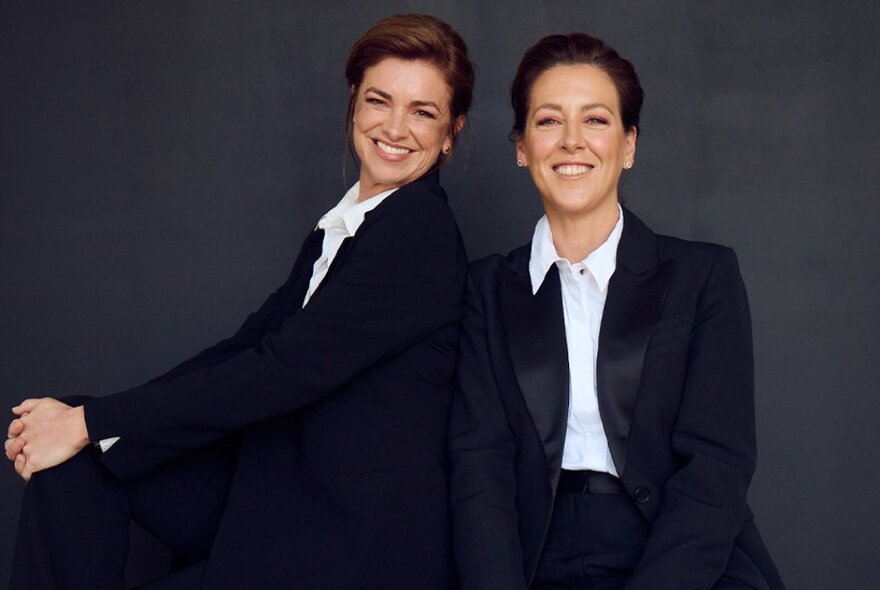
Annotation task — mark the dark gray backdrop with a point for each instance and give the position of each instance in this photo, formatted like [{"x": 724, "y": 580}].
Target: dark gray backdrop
[{"x": 160, "y": 162}]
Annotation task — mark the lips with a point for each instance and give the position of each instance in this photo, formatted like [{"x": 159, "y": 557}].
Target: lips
[
  {"x": 571, "y": 169},
  {"x": 391, "y": 150}
]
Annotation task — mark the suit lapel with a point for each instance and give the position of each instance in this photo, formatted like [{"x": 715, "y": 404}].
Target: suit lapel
[
  {"x": 636, "y": 294},
  {"x": 535, "y": 330},
  {"x": 430, "y": 181},
  {"x": 300, "y": 276}
]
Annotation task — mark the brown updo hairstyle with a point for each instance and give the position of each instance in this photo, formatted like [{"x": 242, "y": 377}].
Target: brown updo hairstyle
[
  {"x": 414, "y": 37},
  {"x": 575, "y": 49}
]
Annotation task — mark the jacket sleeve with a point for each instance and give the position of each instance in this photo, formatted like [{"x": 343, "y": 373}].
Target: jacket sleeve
[
  {"x": 486, "y": 541},
  {"x": 703, "y": 504},
  {"x": 248, "y": 334},
  {"x": 401, "y": 281}
]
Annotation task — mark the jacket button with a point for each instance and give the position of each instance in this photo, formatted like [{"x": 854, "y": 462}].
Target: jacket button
[
  {"x": 322, "y": 406},
  {"x": 641, "y": 495}
]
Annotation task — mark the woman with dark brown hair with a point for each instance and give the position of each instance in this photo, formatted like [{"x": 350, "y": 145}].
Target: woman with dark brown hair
[
  {"x": 307, "y": 450},
  {"x": 604, "y": 436}
]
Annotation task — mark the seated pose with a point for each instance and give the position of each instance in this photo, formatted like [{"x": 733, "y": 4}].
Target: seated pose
[
  {"x": 309, "y": 449},
  {"x": 604, "y": 433}
]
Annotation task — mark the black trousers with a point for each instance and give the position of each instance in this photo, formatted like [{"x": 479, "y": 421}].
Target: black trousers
[
  {"x": 74, "y": 524},
  {"x": 597, "y": 535}
]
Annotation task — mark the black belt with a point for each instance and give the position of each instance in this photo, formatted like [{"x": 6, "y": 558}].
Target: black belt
[{"x": 588, "y": 482}]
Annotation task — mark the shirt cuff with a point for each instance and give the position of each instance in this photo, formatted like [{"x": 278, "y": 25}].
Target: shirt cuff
[{"x": 105, "y": 443}]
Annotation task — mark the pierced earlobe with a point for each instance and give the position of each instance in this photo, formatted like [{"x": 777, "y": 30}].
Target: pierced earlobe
[
  {"x": 628, "y": 165},
  {"x": 520, "y": 163}
]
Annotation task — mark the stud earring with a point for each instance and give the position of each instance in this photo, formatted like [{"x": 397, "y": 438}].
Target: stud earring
[
  {"x": 445, "y": 149},
  {"x": 628, "y": 165},
  {"x": 520, "y": 163}
]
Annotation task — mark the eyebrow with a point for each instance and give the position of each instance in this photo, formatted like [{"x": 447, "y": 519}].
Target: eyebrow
[
  {"x": 556, "y": 107},
  {"x": 415, "y": 103}
]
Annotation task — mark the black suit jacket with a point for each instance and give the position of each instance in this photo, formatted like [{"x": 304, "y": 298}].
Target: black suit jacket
[
  {"x": 342, "y": 408},
  {"x": 675, "y": 390}
]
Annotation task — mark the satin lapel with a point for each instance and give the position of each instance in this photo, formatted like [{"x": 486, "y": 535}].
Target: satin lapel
[
  {"x": 535, "y": 329},
  {"x": 632, "y": 306}
]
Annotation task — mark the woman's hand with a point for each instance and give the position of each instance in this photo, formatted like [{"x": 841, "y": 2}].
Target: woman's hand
[{"x": 46, "y": 433}]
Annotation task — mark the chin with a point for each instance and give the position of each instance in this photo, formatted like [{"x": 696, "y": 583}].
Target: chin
[
  {"x": 391, "y": 180},
  {"x": 398, "y": 177}
]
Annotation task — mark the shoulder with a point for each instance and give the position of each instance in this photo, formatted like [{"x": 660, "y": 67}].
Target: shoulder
[
  {"x": 420, "y": 206},
  {"x": 638, "y": 240},
  {"x": 425, "y": 194},
  {"x": 485, "y": 274},
  {"x": 428, "y": 185},
  {"x": 692, "y": 260},
  {"x": 487, "y": 269},
  {"x": 416, "y": 212},
  {"x": 413, "y": 233},
  {"x": 700, "y": 263},
  {"x": 694, "y": 251}
]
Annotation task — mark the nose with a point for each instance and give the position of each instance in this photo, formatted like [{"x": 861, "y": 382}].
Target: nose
[
  {"x": 572, "y": 139},
  {"x": 395, "y": 126}
]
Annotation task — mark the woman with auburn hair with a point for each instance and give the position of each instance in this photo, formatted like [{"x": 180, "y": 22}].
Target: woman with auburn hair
[
  {"x": 309, "y": 449},
  {"x": 604, "y": 435}
]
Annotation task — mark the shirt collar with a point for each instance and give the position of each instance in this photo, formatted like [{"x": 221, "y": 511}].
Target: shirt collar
[
  {"x": 349, "y": 212},
  {"x": 601, "y": 262}
]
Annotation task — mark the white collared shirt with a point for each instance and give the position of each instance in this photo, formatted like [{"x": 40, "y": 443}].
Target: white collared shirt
[
  {"x": 584, "y": 288},
  {"x": 339, "y": 223}
]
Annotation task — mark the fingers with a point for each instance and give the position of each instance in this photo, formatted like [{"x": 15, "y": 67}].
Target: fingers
[
  {"x": 13, "y": 447},
  {"x": 28, "y": 471},
  {"x": 25, "y": 406},
  {"x": 26, "y": 466},
  {"x": 21, "y": 467},
  {"x": 15, "y": 428},
  {"x": 46, "y": 433}
]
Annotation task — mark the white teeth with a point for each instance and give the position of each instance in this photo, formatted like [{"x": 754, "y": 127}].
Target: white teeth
[
  {"x": 572, "y": 169},
  {"x": 392, "y": 150}
]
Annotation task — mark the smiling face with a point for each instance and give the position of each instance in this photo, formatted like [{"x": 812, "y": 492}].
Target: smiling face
[
  {"x": 401, "y": 123},
  {"x": 574, "y": 142}
]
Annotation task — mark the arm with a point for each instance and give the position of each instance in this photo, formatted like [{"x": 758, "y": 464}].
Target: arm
[
  {"x": 61, "y": 430},
  {"x": 483, "y": 484},
  {"x": 704, "y": 501},
  {"x": 55, "y": 431},
  {"x": 253, "y": 328},
  {"x": 398, "y": 285},
  {"x": 247, "y": 336}
]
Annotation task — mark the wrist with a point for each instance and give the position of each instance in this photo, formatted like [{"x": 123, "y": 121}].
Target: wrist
[{"x": 80, "y": 430}]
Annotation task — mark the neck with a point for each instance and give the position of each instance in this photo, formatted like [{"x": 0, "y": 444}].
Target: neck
[
  {"x": 367, "y": 191},
  {"x": 576, "y": 237}
]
